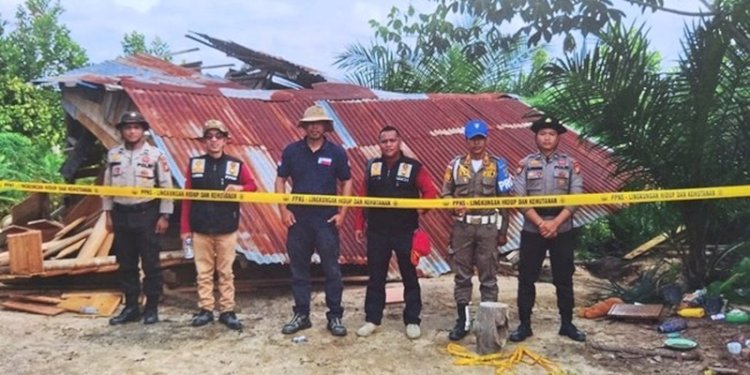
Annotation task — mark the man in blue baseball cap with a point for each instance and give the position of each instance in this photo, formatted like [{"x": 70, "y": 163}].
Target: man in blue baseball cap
[{"x": 476, "y": 233}]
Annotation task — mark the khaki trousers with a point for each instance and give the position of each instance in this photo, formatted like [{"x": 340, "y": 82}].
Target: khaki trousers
[
  {"x": 214, "y": 254},
  {"x": 474, "y": 245}
]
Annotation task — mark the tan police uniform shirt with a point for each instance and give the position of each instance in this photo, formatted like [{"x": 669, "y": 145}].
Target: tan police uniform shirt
[
  {"x": 460, "y": 181},
  {"x": 143, "y": 167},
  {"x": 539, "y": 175}
]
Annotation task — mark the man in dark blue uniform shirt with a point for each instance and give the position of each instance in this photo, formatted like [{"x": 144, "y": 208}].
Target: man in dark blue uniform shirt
[{"x": 315, "y": 166}]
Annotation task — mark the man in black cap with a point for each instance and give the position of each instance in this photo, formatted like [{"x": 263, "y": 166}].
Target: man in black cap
[
  {"x": 547, "y": 172},
  {"x": 137, "y": 222}
]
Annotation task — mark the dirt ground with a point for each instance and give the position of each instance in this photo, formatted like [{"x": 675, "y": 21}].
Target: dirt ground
[{"x": 73, "y": 344}]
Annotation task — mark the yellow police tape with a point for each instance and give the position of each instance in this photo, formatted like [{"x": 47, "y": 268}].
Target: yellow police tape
[
  {"x": 722, "y": 192},
  {"x": 503, "y": 363}
]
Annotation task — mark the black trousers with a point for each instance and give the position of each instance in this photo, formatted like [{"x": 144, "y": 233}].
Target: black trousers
[
  {"x": 533, "y": 250},
  {"x": 379, "y": 249},
  {"x": 304, "y": 238},
  {"x": 135, "y": 238}
]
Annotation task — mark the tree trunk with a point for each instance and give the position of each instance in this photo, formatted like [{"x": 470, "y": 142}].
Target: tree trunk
[
  {"x": 696, "y": 226},
  {"x": 491, "y": 327}
]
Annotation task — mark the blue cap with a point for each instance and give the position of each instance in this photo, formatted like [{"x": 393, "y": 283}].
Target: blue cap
[{"x": 476, "y": 128}]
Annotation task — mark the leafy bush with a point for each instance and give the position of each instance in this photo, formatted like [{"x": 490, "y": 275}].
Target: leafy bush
[
  {"x": 21, "y": 160},
  {"x": 647, "y": 287},
  {"x": 736, "y": 285}
]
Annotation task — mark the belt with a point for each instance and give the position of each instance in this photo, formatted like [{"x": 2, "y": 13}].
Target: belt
[
  {"x": 478, "y": 219},
  {"x": 139, "y": 207},
  {"x": 548, "y": 211}
]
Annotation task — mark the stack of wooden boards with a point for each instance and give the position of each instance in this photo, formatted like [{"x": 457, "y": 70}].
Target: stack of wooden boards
[
  {"x": 81, "y": 244},
  {"x": 87, "y": 303}
]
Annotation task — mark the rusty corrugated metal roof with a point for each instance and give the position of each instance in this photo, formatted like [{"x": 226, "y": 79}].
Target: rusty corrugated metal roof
[{"x": 262, "y": 125}]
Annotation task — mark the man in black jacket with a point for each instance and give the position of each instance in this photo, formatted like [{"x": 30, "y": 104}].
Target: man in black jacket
[
  {"x": 213, "y": 225},
  {"x": 390, "y": 230}
]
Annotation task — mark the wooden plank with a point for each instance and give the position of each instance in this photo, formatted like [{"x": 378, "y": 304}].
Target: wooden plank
[
  {"x": 106, "y": 245},
  {"x": 94, "y": 242},
  {"x": 57, "y": 264},
  {"x": 60, "y": 246},
  {"x": 628, "y": 311},
  {"x": 646, "y": 352},
  {"x": 86, "y": 206},
  {"x": 33, "y": 308},
  {"x": 48, "y": 228},
  {"x": 105, "y": 304},
  {"x": 37, "y": 299},
  {"x": 70, "y": 249},
  {"x": 650, "y": 244},
  {"x": 68, "y": 228},
  {"x": 25, "y": 251},
  {"x": 89, "y": 114},
  {"x": 35, "y": 206},
  {"x": 10, "y": 229},
  {"x": 89, "y": 294}
]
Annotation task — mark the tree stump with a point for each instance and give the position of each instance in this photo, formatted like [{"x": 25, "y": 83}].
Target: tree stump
[{"x": 491, "y": 327}]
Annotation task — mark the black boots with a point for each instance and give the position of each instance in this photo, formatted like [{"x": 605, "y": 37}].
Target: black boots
[
  {"x": 336, "y": 327},
  {"x": 202, "y": 318},
  {"x": 462, "y": 323},
  {"x": 150, "y": 312},
  {"x": 131, "y": 313},
  {"x": 568, "y": 329},
  {"x": 298, "y": 323},
  {"x": 229, "y": 319},
  {"x": 522, "y": 332}
]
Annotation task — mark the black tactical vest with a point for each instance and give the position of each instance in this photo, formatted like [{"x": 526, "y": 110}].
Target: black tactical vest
[
  {"x": 397, "y": 182},
  {"x": 207, "y": 173}
]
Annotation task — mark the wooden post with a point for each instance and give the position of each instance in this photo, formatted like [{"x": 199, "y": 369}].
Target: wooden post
[
  {"x": 25, "y": 250},
  {"x": 491, "y": 327}
]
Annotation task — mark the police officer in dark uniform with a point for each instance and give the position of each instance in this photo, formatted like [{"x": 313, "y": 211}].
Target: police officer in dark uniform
[
  {"x": 547, "y": 172},
  {"x": 139, "y": 222},
  {"x": 390, "y": 230}
]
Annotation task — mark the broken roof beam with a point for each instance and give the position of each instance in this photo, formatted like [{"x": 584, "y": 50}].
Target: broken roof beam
[{"x": 88, "y": 113}]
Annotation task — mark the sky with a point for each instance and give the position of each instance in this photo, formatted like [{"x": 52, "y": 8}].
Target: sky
[{"x": 306, "y": 32}]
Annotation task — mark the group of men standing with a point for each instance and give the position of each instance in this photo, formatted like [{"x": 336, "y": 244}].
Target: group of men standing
[{"x": 314, "y": 165}]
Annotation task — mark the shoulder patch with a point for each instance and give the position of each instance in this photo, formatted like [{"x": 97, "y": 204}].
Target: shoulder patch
[
  {"x": 163, "y": 163},
  {"x": 448, "y": 176},
  {"x": 521, "y": 164}
]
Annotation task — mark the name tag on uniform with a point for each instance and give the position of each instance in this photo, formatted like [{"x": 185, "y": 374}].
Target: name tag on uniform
[
  {"x": 533, "y": 175},
  {"x": 197, "y": 167},
  {"x": 376, "y": 169},
  {"x": 325, "y": 161}
]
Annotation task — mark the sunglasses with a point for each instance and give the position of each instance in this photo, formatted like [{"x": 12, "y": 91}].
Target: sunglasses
[{"x": 218, "y": 136}]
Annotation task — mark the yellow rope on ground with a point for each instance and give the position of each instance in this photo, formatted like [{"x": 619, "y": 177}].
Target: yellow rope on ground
[{"x": 503, "y": 363}]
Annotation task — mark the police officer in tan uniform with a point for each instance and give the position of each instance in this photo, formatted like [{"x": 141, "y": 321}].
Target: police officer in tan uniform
[
  {"x": 476, "y": 233},
  {"x": 547, "y": 172},
  {"x": 137, "y": 222}
]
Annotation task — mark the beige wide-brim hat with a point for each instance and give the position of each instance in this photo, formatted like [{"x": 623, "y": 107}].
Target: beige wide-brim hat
[
  {"x": 215, "y": 125},
  {"x": 316, "y": 113}
]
